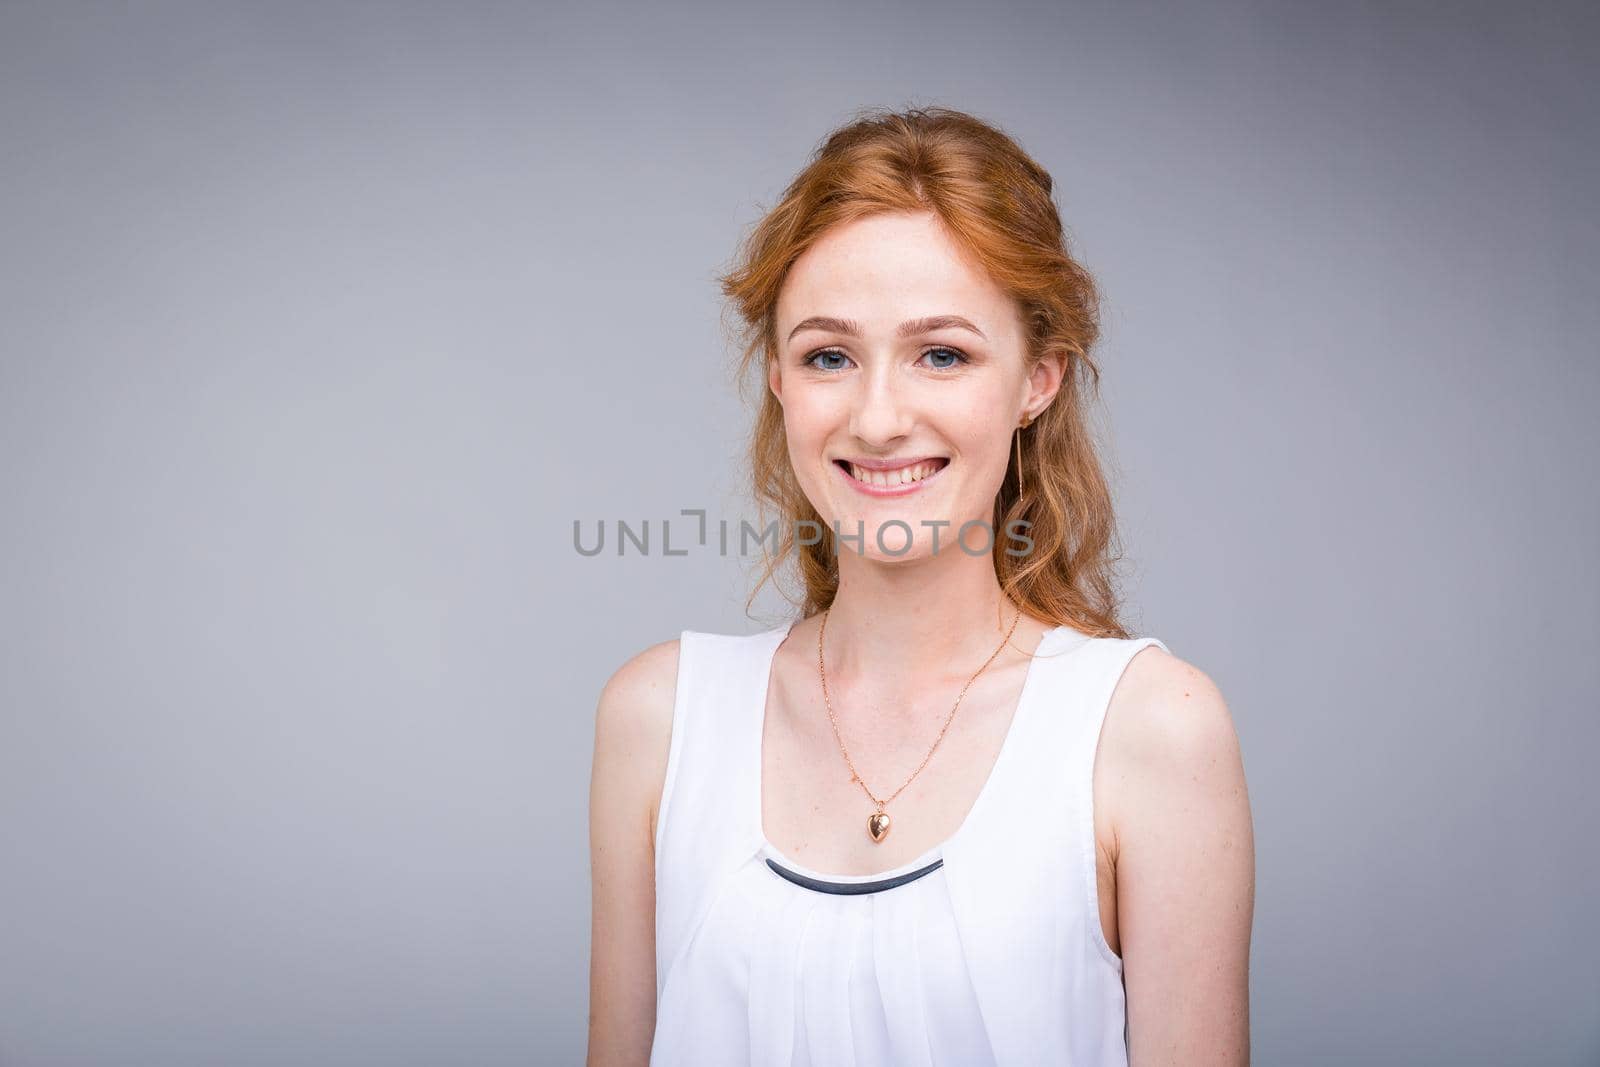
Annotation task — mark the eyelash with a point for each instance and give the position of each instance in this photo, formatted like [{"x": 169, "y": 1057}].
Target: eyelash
[{"x": 961, "y": 357}]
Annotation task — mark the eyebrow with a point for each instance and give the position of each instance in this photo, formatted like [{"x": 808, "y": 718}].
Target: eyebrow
[{"x": 909, "y": 328}]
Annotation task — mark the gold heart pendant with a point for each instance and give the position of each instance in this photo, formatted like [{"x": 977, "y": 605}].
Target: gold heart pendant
[{"x": 878, "y": 826}]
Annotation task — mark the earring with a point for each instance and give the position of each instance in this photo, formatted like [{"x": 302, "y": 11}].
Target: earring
[{"x": 1026, "y": 419}]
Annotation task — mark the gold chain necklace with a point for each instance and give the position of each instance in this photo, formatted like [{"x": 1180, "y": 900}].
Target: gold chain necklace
[{"x": 878, "y": 821}]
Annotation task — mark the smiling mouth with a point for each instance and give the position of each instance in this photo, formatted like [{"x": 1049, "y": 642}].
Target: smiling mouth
[{"x": 907, "y": 475}]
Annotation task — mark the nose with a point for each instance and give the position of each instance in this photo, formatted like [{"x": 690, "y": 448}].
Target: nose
[{"x": 882, "y": 411}]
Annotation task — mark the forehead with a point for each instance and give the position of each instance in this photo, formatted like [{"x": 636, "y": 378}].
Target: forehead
[{"x": 888, "y": 268}]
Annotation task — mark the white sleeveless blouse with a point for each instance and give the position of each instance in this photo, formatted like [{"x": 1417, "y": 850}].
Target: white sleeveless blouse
[{"x": 985, "y": 950}]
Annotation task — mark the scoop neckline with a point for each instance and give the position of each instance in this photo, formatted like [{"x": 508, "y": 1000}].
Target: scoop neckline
[{"x": 1007, "y": 743}]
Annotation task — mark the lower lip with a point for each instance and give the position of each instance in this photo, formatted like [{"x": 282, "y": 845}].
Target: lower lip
[{"x": 887, "y": 490}]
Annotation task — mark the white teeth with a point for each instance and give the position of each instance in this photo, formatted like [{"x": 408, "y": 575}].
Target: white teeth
[{"x": 888, "y": 479}]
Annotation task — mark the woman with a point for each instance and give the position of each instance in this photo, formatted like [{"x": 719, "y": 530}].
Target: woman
[{"x": 954, "y": 813}]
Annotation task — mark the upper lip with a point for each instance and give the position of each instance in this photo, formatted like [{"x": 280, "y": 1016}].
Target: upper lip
[{"x": 888, "y": 464}]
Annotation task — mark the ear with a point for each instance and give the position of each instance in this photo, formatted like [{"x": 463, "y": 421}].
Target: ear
[
  {"x": 775, "y": 380},
  {"x": 1044, "y": 381}
]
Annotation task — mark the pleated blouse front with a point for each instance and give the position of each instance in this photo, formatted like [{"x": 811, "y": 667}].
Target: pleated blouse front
[{"x": 827, "y": 979}]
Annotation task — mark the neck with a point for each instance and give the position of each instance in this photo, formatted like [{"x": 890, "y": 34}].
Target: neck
[{"x": 908, "y": 623}]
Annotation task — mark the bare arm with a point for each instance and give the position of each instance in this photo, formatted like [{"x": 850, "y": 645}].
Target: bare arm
[
  {"x": 1185, "y": 865},
  {"x": 633, "y": 732}
]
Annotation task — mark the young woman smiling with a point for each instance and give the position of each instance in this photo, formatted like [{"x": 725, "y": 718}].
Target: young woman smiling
[{"x": 953, "y": 812}]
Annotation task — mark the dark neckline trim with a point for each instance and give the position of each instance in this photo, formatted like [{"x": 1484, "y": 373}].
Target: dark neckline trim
[{"x": 853, "y": 888}]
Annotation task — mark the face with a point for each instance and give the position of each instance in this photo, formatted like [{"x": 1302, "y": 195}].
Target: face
[{"x": 901, "y": 370}]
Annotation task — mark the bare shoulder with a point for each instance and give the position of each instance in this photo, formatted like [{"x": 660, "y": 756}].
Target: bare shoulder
[
  {"x": 1168, "y": 744},
  {"x": 1167, "y": 715},
  {"x": 633, "y": 723},
  {"x": 643, "y": 687}
]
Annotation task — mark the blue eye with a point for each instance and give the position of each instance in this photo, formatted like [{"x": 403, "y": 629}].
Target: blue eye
[
  {"x": 811, "y": 360},
  {"x": 960, "y": 357}
]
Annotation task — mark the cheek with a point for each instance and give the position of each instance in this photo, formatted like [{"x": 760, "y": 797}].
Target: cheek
[
  {"x": 806, "y": 432},
  {"x": 808, "y": 418},
  {"x": 987, "y": 454},
  {"x": 981, "y": 440}
]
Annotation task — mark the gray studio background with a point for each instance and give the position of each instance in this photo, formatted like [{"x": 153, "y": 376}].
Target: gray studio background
[{"x": 321, "y": 325}]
